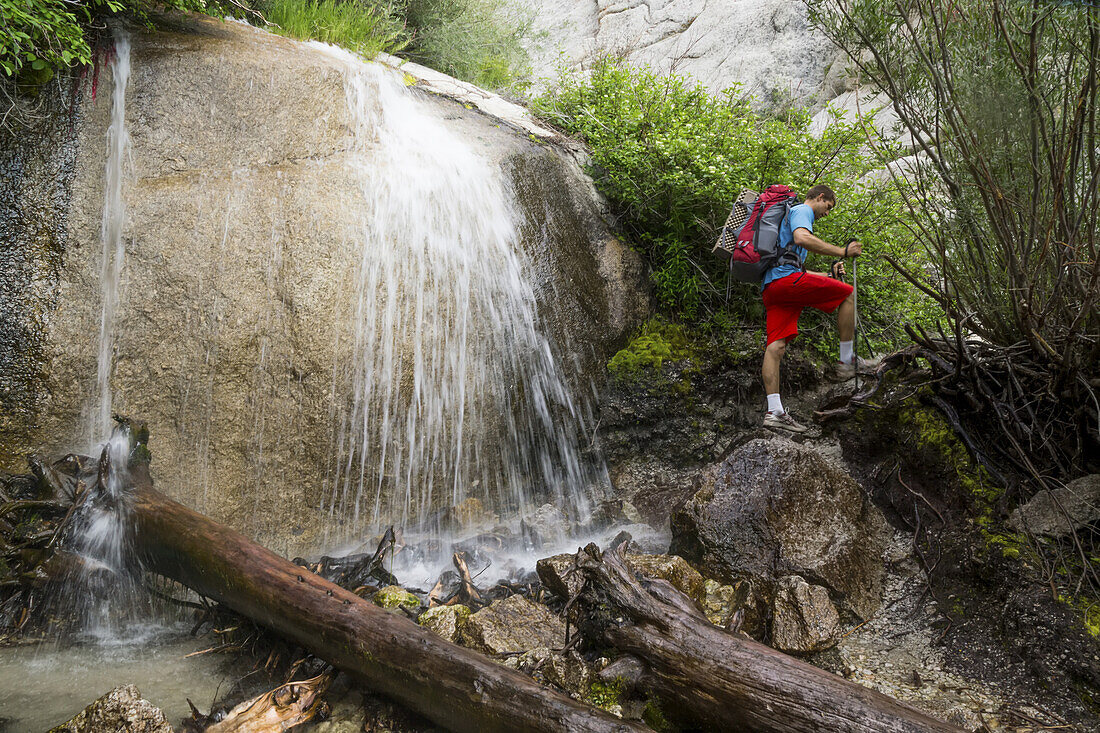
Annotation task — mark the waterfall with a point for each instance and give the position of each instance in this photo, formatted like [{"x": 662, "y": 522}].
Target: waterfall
[
  {"x": 114, "y": 218},
  {"x": 456, "y": 390}
]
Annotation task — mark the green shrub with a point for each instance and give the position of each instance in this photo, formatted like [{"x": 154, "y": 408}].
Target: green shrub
[
  {"x": 475, "y": 40},
  {"x": 42, "y": 35},
  {"x": 361, "y": 26},
  {"x": 671, "y": 157}
]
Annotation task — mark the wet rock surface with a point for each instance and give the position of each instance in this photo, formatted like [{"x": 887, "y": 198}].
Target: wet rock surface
[
  {"x": 122, "y": 710},
  {"x": 447, "y": 621},
  {"x": 773, "y": 509},
  {"x": 803, "y": 618},
  {"x": 239, "y": 288},
  {"x": 514, "y": 624}
]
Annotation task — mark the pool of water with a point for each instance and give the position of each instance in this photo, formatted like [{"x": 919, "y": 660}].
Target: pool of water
[{"x": 44, "y": 685}]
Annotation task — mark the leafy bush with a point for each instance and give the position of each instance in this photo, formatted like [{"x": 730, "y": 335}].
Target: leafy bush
[
  {"x": 364, "y": 27},
  {"x": 42, "y": 35},
  {"x": 475, "y": 40},
  {"x": 671, "y": 157}
]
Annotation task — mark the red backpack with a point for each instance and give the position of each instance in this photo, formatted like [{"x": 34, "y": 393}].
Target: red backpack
[{"x": 750, "y": 238}]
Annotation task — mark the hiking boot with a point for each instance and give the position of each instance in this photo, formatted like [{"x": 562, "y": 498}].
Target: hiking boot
[
  {"x": 783, "y": 421},
  {"x": 843, "y": 372}
]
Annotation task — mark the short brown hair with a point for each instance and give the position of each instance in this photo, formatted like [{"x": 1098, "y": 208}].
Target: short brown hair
[{"x": 819, "y": 190}]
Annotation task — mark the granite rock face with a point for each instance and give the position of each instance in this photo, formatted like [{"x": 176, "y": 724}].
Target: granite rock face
[
  {"x": 243, "y": 238},
  {"x": 774, "y": 509},
  {"x": 804, "y": 620},
  {"x": 767, "y": 46}
]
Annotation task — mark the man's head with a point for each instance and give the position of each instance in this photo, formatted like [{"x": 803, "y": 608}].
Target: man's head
[{"x": 821, "y": 199}]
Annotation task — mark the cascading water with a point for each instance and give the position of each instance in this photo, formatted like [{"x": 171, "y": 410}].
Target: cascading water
[
  {"x": 456, "y": 391},
  {"x": 114, "y": 218},
  {"x": 101, "y": 586}
]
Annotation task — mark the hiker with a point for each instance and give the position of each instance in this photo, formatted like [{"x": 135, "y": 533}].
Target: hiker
[{"x": 788, "y": 288}]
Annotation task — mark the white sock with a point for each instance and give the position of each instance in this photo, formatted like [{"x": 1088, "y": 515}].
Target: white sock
[
  {"x": 846, "y": 354},
  {"x": 775, "y": 405}
]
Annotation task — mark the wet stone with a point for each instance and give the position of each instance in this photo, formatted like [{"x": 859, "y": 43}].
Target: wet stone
[
  {"x": 122, "y": 710},
  {"x": 514, "y": 624},
  {"x": 672, "y": 568},
  {"x": 804, "y": 619},
  {"x": 393, "y": 597},
  {"x": 558, "y": 575},
  {"x": 447, "y": 621}
]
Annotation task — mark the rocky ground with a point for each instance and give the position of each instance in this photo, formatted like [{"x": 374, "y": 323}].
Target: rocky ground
[{"x": 804, "y": 544}]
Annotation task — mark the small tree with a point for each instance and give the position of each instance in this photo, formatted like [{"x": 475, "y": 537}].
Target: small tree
[{"x": 1000, "y": 98}]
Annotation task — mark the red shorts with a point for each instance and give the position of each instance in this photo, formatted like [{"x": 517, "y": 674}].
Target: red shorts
[{"x": 785, "y": 298}]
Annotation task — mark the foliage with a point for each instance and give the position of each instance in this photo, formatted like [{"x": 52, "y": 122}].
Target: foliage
[
  {"x": 657, "y": 340},
  {"x": 1004, "y": 196},
  {"x": 364, "y": 27},
  {"x": 475, "y": 40},
  {"x": 671, "y": 157},
  {"x": 42, "y": 35}
]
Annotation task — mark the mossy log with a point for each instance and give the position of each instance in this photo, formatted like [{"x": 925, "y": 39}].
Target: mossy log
[
  {"x": 718, "y": 680},
  {"x": 455, "y": 688}
]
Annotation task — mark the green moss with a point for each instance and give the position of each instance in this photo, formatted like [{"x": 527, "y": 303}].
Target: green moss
[
  {"x": 393, "y": 597},
  {"x": 605, "y": 695},
  {"x": 933, "y": 433},
  {"x": 1089, "y": 611},
  {"x": 657, "y": 341},
  {"x": 654, "y": 717}
]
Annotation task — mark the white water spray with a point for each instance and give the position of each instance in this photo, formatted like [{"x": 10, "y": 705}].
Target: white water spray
[
  {"x": 456, "y": 391},
  {"x": 114, "y": 218}
]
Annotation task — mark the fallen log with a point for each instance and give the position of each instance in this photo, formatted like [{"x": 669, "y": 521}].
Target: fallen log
[
  {"x": 718, "y": 680},
  {"x": 455, "y": 688}
]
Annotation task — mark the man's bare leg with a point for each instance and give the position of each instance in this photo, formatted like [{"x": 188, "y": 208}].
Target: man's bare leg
[
  {"x": 770, "y": 371},
  {"x": 846, "y": 318}
]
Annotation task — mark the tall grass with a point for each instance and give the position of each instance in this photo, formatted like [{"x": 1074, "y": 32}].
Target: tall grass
[
  {"x": 365, "y": 27},
  {"x": 476, "y": 40}
]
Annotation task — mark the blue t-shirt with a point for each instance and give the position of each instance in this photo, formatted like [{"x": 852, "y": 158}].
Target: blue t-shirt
[{"x": 799, "y": 217}]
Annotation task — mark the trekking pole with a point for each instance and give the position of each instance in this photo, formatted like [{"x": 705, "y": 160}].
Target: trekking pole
[{"x": 855, "y": 320}]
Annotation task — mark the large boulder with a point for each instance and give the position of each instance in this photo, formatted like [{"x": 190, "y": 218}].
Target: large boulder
[
  {"x": 773, "y": 509},
  {"x": 122, "y": 710},
  {"x": 1060, "y": 512},
  {"x": 246, "y": 223}
]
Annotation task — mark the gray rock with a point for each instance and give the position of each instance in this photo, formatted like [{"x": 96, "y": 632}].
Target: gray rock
[
  {"x": 548, "y": 523},
  {"x": 1060, "y": 512},
  {"x": 122, "y": 710},
  {"x": 235, "y": 325},
  {"x": 447, "y": 621},
  {"x": 721, "y": 602},
  {"x": 672, "y": 568},
  {"x": 514, "y": 624},
  {"x": 804, "y": 620},
  {"x": 768, "y": 46},
  {"x": 772, "y": 509},
  {"x": 558, "y": 576}
]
